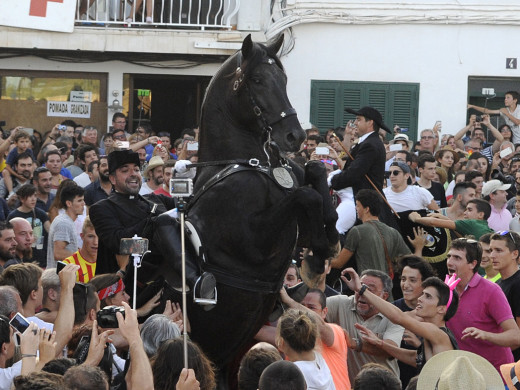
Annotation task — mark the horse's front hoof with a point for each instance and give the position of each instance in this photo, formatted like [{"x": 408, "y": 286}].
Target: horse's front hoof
[{"x": 311, "y": 278}]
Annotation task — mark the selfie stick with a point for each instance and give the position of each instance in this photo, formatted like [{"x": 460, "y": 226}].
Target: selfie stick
[
  {"x": 366, "y": 175},
  {"x": 137, "y": 263},
  {"x": 181, "y": 208}
]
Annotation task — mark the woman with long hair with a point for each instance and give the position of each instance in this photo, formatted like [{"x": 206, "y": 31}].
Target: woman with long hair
[
  {"x": 447, "y": 158},
  {"x": 169, "y": 362}
]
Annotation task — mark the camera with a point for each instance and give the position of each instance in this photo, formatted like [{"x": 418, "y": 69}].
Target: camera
[
  {"x": 478, "y": 118},
  {"x": 62, "y": 127},
  {"x": 106, "y": 317},
  {"x": 181, "y": 188},
  {"x": 130, "y": 246}
]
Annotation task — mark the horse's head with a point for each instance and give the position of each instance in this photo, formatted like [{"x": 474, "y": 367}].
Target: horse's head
[{"x": 261, "y": 82}]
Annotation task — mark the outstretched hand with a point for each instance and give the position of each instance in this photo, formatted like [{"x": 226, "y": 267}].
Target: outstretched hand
[
  {"x": 419, "y": 238},
  {"x": 367, "y": 335},
  {"x": 353, "y": 282}
]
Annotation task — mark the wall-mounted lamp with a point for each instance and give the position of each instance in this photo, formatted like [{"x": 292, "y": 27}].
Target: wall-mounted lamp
[{"x": 116, "y": 105}]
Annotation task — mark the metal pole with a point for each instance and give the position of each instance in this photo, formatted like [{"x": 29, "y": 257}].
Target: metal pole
[
  {"x": 136, "y": 262},
  {"x": 180, "y": 208}
]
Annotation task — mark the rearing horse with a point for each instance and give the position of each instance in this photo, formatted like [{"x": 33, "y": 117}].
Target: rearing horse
[{"x": 248, "y": 207}]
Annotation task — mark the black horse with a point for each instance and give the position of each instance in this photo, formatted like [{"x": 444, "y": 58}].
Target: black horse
[{"x": 248, "y": 207}]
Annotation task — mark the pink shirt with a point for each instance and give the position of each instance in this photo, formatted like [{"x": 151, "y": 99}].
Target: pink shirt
[
  {"x": 499, "y": 219},
  {"x": 482, "y": 305}
]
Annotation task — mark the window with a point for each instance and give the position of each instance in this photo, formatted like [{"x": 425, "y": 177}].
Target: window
[
  {"x": 57, "y": 86},
  {"x": 397, "y": 102}
]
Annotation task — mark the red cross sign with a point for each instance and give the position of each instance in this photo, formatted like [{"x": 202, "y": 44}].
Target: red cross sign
[{"x": 39, "y": 7}]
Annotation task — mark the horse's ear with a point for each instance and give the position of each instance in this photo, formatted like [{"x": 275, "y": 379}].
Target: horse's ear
[
  {"x": 247, "y": 46},
  {"x": 276, "y": 45}
]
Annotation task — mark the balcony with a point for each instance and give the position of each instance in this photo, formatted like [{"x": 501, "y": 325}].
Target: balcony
[{"x": 167, "y": 14}]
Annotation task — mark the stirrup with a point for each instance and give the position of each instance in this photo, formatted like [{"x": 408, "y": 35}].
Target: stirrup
[{"x": 207, "y": 289}]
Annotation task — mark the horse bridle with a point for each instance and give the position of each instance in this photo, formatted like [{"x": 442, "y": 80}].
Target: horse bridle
[{"x": 266, "y": 124}]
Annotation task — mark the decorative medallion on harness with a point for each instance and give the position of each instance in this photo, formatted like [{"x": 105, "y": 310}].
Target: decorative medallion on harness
[{"x": 283, "y": 177}]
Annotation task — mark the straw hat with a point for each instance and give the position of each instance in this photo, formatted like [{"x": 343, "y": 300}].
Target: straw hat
[
  {"x": 402, "y": 137},
  {"x": 459, "y": 370},
  {"x": 154, "y": 162}
]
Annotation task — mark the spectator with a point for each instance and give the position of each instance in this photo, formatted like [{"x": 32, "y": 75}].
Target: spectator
[
  {"x": 463, "y": 192},
  {"x": 62, "y": 234},
  {"x": 54, "y": 165},
  {"x": 347, "y": 311},
  {"x": 37, "y": 218},
  {"x": 42, "y": 181},
  {"x": 486, "y": 264},
  {"x": 86, "y": 153},
  {"x": 155, "y": 330},
  {"x": 510, "y": 113},
  {"x": 435, "y": 306},
  {"x": 292, "y": 276},
  {"x": 168, "y": 365},
  {"x": 474, "y": 222},
  {"x": 414, "y": 271},
  {"x": 101, "y": 188},
  {"x": 296, "y": 337},
  {"x": 374, "y": 244},
  {"x": 23, "y": 146},
  {"x": 505, "y": 247},
  {"x": 24, "y": 167},
  {"x": 403, "y": 196},
  {"x": 51, "y": 296},
  {"x": 108, "y": 141},
  {"x": 428, "y": 143},
  {"x": 84, "y": 377},
  {"x": 89, "y": 135},
  {"x": 10, "y": 302},
  {"x": 282, "y": 375},
  {"x": 494, "y": 191},
  {"x": 23, "y": 234},
  {"x": 40, "y": 381},
  {"x": 154, "y": 174},
  {"x": 253, "y": 364},
  {"x": 167, "y": 174},
  {"x": 427, "y": 174},
  {"x": 86, "y": 256},
  {"x": 332, "y": 342},
  {"x": 7, "y": 246},
  {"x": 476, "y": 178},
  {"x": 376, "y": 376},
  {"x": 490, "y": 331}
]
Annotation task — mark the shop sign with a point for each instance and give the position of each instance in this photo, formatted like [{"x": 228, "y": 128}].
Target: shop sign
[{"x": 69, "y": 109}]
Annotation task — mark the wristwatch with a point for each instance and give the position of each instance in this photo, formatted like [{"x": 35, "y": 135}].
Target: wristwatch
[{"x": 362, "y": 290}]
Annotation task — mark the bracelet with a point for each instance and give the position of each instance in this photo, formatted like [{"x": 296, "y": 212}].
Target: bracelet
[
  {"x": 28, "y": 355},
  {"x": 362, "y": 290},
  {"x": 122, "y": 273}
]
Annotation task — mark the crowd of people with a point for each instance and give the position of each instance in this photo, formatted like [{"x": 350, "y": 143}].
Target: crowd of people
[{"x": 383, "y": 312}]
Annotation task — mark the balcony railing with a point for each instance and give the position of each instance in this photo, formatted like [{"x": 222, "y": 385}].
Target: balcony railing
[{"x": 191, "y": 14}]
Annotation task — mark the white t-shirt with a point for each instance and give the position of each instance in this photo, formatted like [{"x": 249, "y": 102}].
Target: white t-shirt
[
  {"x": 514, "y": 128},
  {"x": 316, "y": 373},
  {"x": 8, "y": 374},
  {"x": 413, "y": 198}
]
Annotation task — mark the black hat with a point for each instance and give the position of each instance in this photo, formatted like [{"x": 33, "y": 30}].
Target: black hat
[
  {"x": 118, "y": 158},
  {"x": 370, "y": 113}
]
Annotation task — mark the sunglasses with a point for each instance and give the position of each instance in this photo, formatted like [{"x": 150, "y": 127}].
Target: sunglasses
[{"x": 507, "y": 232}]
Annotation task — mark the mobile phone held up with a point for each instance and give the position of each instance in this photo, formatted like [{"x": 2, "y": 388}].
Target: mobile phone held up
[{"x": 19, "y": 323}]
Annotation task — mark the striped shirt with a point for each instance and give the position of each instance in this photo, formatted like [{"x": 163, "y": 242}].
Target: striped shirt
[{"x": 87, "y": 269}]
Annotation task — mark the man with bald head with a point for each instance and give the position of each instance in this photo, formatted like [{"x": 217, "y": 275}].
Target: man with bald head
[{"x": 23, "y": 234}]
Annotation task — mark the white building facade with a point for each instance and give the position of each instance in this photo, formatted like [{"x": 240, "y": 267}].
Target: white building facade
[{"x": 418, "y": 62}]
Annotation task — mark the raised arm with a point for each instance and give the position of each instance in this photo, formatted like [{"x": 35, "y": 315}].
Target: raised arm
[
  {"x": 431, "y": 221},
  {"x": 483, "y": 110},
  {"x": 65, "y": 318},
  {"x": 393, "y": 313}
]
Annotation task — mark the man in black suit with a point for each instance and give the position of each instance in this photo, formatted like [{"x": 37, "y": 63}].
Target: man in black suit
[
  {"x": 369, "y": 158},
  {"x": 125, "y": 213}
]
